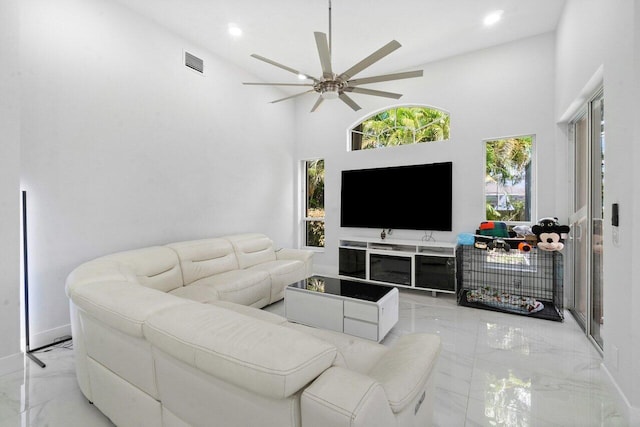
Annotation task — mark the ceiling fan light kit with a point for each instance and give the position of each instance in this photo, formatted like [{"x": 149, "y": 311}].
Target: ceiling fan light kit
[
  {"x": 329, "y": 89},
  {"x": 331, "y": 85}
]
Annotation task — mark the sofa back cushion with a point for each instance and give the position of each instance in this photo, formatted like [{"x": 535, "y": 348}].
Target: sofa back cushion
[
  {"x": 98, "y": 270},
  {"x": 123, "y": 306},
  {"x": 252, "y": 249},
  {"x": 155, "y": 267},
  {"x": 204, "y": 258}
]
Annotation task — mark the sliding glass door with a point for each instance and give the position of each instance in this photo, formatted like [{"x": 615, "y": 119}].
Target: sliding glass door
[
  {"x": 585, "y": 239},
  {"x": 578, "y": 238}
]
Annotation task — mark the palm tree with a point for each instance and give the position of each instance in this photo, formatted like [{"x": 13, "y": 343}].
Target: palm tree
[
  {"x": 507, "y": 159},
  {"x": 315, "y": 203},
  {"x": 507, "y": 162},
  {"x": 315, "y": 186},
  {"x": 405, "y": 125}
]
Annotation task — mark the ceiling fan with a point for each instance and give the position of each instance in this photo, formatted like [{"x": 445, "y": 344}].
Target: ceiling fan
[{"x": 332, "y": 85}]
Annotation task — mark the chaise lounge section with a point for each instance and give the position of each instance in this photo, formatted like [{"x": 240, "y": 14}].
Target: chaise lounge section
[{"x": 173, "y": 336}]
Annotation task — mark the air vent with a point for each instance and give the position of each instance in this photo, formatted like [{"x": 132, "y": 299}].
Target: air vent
[{"x": 193, "y": 62}]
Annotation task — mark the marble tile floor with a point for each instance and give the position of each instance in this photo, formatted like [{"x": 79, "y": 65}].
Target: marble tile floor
[{"x": 496, "y": 369}]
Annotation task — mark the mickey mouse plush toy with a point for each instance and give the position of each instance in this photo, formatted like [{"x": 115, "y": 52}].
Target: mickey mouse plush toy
[{"x": 549, "y": 234}]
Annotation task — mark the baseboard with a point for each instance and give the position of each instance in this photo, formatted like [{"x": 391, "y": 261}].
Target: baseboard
[
  {"x": 48, "y": 337},
  {"x": 630, "y": 413},
  {"x": 12, "y": 363}
]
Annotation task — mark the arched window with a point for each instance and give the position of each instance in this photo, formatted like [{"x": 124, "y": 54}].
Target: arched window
[{"x": 400, "y": 126}]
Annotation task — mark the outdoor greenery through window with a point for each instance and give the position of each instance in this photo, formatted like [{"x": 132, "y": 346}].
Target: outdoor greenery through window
[
  {"x": 314, "y": 203},
  {"x": 508, "y": 178},
  {"x": 400, "y": 126}
]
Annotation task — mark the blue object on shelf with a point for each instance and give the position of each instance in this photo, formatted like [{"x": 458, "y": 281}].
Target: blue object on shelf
[{"x": 466, "y": 239}]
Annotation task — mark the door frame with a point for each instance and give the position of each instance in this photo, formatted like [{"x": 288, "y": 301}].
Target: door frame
[{"x": 581, "y": 213}]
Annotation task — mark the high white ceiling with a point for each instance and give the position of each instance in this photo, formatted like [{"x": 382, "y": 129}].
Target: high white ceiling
[{"x": 282, "y": 30}]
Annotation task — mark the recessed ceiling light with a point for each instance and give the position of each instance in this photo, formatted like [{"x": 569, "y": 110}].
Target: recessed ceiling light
[
  {"x": 234, "y": 30},
  {"x": 302, "y": 76},
  {"x": 493, "y": 17}
]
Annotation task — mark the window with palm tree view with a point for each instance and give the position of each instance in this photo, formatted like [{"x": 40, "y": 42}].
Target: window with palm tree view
[
  {"x": 401, "y": 126},
  {"x": 508, "y": 178},
  {"x": 314, "y": 203}
]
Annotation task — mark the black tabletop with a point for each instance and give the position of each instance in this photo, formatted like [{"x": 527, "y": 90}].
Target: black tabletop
[{"x": 342, "y": 287}]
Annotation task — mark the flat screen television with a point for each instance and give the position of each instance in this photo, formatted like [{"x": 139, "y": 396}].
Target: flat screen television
[{"x": 414, "y": 197}]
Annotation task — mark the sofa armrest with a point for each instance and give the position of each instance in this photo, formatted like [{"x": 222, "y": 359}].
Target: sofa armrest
[
  {"x": 406, "y": 368},
  {"x": 344, "y": 398},
  {"x": 303, "y": 255}
]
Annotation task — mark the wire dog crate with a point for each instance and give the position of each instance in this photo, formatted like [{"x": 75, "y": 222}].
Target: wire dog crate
[{"x": 526, "y": 283}]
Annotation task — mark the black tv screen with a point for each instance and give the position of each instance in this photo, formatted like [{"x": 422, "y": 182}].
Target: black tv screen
[{"x": 415, "y": 197}]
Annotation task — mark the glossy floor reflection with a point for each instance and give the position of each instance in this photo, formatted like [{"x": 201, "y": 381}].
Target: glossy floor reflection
[
  {"x": 500, "y": 369},
  {"x": 496, "y": 369}
]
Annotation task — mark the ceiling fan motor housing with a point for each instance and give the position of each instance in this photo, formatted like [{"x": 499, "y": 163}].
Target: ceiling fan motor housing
[{"x": 330, "y": 89}]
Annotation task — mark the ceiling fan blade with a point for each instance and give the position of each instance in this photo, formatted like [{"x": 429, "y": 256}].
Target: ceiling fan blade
[
  {"x": 387, "y": 77},
  {"x": 277, "y": 84},
  {"x": 373, "y": 92},
  {"x": 284, "y": 67},
  {"x": 317, "y": 104},
  {"x": 325, "y": 55},
  {"x": 350, "y": 102},
  {"x": 371, "y": 59},
  {"x": 292, "y": 96}
]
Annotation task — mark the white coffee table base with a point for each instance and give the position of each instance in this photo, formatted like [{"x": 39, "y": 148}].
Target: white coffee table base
[{"x": 361, "y": 318}]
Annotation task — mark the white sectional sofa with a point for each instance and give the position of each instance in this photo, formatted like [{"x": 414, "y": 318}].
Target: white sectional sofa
[{"x": 173, "y": 336}]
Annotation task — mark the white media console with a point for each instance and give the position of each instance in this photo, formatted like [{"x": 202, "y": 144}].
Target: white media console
[{"x": 424, "y": 265}]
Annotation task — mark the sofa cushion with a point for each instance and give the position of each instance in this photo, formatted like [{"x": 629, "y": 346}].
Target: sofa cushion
[
  {"x": 357, "y": 354},
  {"x": 256, "y": 313},
  {"x": 199, "y": 399},
  {"x": 252, "y": 249},
  {"x": 282, "y": 273},
  {"x": 247, "y": 287},
  {"x": 199, "y": 293},
  {"x": 204, "y": 258},
  {"x": 154, "y": 267},
  {"x": 122, "y": 305},
  {"x": 269, "y": 359}
]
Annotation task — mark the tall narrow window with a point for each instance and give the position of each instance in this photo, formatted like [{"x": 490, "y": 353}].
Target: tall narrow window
[
  {"x": 314, "y": 203},
  {"x": 508, "y": 178}
]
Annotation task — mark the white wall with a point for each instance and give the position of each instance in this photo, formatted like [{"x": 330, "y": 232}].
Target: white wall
[
  {"x": 502, "y": 91},
  {"x": 10, "y": 356},
  {"x": 125, "y": 147},
  {"x": 597, "y": 35}
]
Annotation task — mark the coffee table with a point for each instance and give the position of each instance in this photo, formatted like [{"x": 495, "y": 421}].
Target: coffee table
[{"x": 356, "y": 308}]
